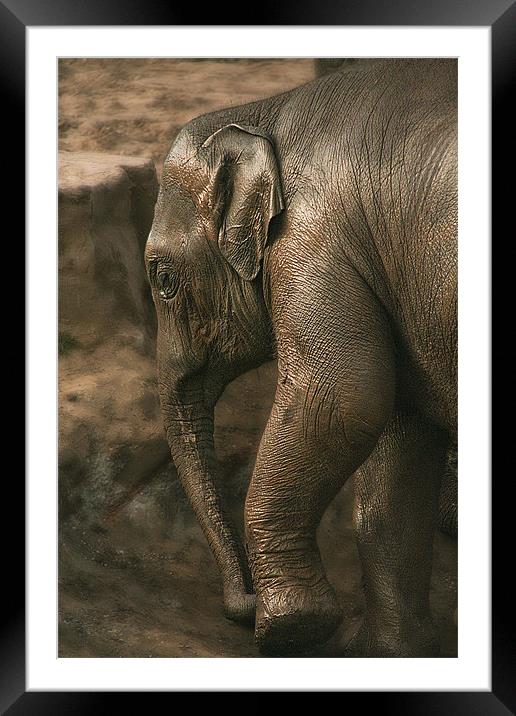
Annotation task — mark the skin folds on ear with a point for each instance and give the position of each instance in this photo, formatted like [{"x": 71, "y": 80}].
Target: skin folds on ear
[{"x": 247, "y": 192}]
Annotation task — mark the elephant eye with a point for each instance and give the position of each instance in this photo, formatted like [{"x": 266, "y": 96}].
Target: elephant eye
[{"x": 167, "y": 283}]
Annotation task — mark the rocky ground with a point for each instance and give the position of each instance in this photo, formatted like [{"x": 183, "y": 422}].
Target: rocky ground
[{"x": 136, "y": 577}]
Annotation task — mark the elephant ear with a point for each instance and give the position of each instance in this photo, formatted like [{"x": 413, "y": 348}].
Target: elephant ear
[{"x": 247, "y": 193}]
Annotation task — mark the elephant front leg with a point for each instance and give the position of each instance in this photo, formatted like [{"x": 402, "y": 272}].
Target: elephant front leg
[
  {"x": 334, "y": 397},
  {"x": 304, "y": 459},
  {"x": 396, "y": 499}
]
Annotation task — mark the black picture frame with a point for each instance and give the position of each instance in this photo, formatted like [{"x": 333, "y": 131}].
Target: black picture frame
[{"x": 500, "y": 15}]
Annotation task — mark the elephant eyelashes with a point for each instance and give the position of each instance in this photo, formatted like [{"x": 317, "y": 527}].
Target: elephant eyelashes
[{"x": 167, "y": 283}]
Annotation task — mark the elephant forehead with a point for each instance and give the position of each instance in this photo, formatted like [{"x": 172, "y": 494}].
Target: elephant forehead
[
  {"x": 160, "y": 245},
  {"x": 175, "y": 217}
]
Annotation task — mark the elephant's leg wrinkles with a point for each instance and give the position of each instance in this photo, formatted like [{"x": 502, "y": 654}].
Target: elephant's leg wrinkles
[
  {"x": 321, "y": 428},
  {"x": 396, "y": 499},
  {"x": 290, "y": 490}
]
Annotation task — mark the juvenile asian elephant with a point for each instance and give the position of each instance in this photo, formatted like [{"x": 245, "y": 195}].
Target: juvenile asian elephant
[{"x": 318, "y": 226}]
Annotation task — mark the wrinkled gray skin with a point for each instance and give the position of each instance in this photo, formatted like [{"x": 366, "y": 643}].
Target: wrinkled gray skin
[
  {"x": 448, "y": 513},
  {"x": 318, "y": 226}
]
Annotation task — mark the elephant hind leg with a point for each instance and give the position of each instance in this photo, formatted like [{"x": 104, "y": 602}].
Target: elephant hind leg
[
  {"x": 395, "y": 516},
  {"x": 448, "y": 511}
]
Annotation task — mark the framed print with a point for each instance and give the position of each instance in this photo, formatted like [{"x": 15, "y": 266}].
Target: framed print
[{"x": 123, "y": 593}]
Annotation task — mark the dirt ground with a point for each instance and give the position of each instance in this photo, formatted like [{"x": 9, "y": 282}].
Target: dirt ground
[
  {"x": 136, "y": 578},
  {"x": 135, "y": 107}
]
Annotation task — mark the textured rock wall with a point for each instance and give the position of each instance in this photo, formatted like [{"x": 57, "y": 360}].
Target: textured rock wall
[{"x": 110, "y": 435}]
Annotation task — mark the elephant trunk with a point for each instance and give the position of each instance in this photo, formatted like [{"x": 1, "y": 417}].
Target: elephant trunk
[{"x": 189, "y": 425}]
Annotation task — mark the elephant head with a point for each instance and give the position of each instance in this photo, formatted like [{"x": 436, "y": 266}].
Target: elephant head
[{"x": 203, "y": 258}]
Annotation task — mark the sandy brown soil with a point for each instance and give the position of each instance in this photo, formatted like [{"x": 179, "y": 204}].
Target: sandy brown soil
[
  {"x": 135, "y": 107},
  {"x": 136, "y": 576}
]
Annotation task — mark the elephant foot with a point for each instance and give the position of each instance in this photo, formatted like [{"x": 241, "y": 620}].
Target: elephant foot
[
  {"x": 240, "y": 607},
  {"x": 295, "y": 619},
  {"x": 420, "y": 641}
]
